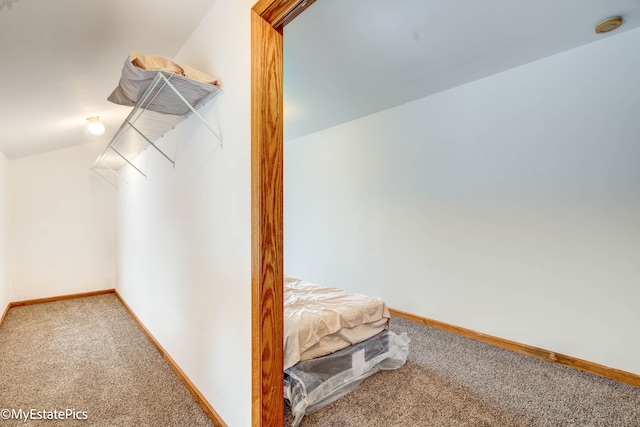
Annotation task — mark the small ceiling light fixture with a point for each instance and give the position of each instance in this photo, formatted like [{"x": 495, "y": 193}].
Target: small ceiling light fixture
[
  {"x": 608, "y": 25},
  {"x": 95, "y": 126}
]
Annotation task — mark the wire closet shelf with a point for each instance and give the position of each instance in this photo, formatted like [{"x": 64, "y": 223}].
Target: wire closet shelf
[{"x": 168, "y": 100}]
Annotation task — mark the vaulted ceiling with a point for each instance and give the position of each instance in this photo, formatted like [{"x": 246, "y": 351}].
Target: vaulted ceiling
[
  {"x": 348, "y": 59},
  {"x": 59, "y": 60},
  {"x": 343, "y": 59}
]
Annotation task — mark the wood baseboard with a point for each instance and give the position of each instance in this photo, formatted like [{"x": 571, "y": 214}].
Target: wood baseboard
[
  {"x": 60, "y": 298},
  {"x": 4, "y": 314},
  {"x": 52, "y": 299},
  {"x": 573, "y": 362},
  {"x": 197, "y": 395},
  {"x": 206, "y": 406}
]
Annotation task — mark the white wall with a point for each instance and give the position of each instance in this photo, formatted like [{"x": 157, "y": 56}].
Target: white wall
[
  {"x": 62, "y": 224},
  {"x": 185, "y": 232},
  {"x": 510, "y": 205},
  {"x": 4, "y": 252}
]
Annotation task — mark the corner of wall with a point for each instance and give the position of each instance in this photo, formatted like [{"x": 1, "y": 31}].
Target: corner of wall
[{"x": 62, "y": 225}]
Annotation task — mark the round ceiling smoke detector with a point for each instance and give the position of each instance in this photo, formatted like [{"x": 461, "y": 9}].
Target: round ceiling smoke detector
[{"x": 608, "y": 25}]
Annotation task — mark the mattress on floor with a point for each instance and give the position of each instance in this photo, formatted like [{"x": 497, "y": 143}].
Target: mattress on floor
[
  {"x": 312, "y": 384},
  {"x": 320, "y": 320}
]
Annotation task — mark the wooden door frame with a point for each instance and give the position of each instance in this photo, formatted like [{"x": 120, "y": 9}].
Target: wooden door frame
[{"x": 268, "y": 17}]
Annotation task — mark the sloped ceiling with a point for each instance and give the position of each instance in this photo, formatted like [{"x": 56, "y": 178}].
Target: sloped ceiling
[
  {"x": 348, "y": 59},
  {"x": 59, "y": 60}
]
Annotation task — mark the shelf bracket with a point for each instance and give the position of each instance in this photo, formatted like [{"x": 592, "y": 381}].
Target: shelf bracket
[
  {"x": 169, "y": 99},
  {"x": 127, "y": 160},
  {"x": 94, "y": 170},
  {"x": 151, "y": 143},
  {"x": 193, "y": 110}
]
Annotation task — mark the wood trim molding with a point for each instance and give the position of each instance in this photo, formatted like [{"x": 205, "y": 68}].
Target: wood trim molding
[
  {"x": 204, "y": 404},
  {"x": 4, "y": 314},
  {"x": 267, "y": 223},
  {"x": 197, "y": 395},
  {"x": 267, "y": 265},
  {"x": 268, "y": 18},
  {"x": 573, "y": 362},
  {"x": 279, "y": 13},
  {"x": 52, "y": 299},
  {"x": 60, "y": 298}
]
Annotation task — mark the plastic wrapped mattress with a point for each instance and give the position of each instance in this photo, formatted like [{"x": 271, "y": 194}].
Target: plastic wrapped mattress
[{"x": 313, "y": 384}]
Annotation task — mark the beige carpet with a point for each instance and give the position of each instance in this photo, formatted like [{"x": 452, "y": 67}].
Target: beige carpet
[
  {"x": 454, "y": 381},
  {"x": 88, "y": 355}
]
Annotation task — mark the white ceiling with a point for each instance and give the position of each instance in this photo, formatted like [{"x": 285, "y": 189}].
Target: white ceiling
[
  {"x": 59, "y": 60},
  {"x": 345, "y": 59}
]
